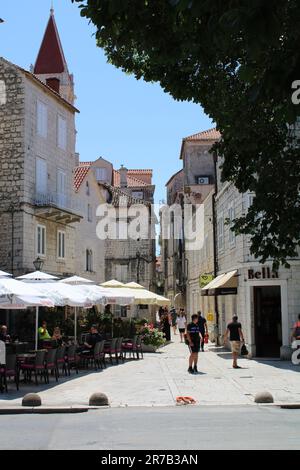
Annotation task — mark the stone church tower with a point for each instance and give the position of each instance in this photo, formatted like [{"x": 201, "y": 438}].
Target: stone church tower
[
  {"x": 51, "y": 66},
  {"x": 38, "y": 212}
]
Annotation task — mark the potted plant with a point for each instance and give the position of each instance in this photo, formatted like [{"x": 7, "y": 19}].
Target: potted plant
[{"x": 152, "y": 338}]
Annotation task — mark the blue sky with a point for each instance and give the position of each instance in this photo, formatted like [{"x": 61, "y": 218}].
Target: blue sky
[{"x": 126, "y": 121}]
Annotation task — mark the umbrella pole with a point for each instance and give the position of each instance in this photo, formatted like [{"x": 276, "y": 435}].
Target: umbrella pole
[
  {"x": 36, "y": 326},
  {"x": 75, "y": 324}
]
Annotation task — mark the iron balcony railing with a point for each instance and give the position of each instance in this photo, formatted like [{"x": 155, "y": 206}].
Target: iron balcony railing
[{"x": 60, "y": 201}]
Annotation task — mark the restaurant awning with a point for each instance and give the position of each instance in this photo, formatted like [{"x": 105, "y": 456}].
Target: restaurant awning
[{"x": 225, "y": 284}]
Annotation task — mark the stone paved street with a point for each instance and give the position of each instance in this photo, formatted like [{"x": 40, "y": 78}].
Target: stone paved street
[{"x": 160, "y": 378}]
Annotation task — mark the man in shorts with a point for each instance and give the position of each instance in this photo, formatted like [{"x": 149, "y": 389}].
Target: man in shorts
[
  {"x": 236, "y": 337},
  {"x": 194, "y": 338}
]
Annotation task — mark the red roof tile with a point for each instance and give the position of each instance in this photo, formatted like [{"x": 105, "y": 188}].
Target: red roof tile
[
  {"x": 211, "y": 134},
  {"x": 51, "y": 57},
  {"x": 80, "y": 173},
  {"x": 135, "y": 178}
]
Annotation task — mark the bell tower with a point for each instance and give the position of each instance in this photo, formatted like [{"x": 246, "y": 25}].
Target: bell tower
[{"x": 51, "y": 66}]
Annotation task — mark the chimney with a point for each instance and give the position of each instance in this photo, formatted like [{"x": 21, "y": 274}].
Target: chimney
[
  {"x": 53, "y": 83},
  {"x": 123, "y": 176}
]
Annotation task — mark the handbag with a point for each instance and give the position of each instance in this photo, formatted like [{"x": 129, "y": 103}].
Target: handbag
[
  {"x": 244, "y": 350},
  {"x": 206, "y": 338}
]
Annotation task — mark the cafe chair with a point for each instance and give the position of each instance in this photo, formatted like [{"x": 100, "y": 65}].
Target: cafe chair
[
  {"x": 36, "y": 367},
  {"x": 10, "y": 370},
  {"x": 50, "y": 364}
]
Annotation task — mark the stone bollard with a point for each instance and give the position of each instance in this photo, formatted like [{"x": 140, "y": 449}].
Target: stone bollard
[
  {"x": 32, "y": 399},
  {"x": 264, "y": 397},
  {"x": 98, "y": 399}
]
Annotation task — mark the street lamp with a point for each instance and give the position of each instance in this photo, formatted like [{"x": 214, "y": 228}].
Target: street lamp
[{"x": 38, "y": 264}]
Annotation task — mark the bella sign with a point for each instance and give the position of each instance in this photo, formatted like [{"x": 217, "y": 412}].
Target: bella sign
[{"x": 265, "y": 273}]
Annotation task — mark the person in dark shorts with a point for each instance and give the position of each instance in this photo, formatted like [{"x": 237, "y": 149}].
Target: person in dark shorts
[
  {"x": 203, "y": 328},
  {"x": 236, "y": 337},
  {"x": 194, "y": 338}
]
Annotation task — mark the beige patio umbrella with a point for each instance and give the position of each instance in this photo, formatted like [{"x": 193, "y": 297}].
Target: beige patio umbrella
[{"x": 144, "y": 296}]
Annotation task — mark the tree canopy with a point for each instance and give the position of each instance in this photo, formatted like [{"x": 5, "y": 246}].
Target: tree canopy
[{"x": 240, "y": 60}]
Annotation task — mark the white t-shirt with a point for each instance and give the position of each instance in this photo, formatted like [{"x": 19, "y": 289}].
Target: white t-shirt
[{"x": 181, "y": 322}]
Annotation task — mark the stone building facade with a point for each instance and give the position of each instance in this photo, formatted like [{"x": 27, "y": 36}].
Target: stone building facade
[
  {"x": 90, "y": 250},
  {"x": 132, "y": 259},
  {"x": 266, "y": 301},
  {"x": 185, "y": 260},
  {"x": 37, "y": 157},
  {"x": 171, "y": 247}
]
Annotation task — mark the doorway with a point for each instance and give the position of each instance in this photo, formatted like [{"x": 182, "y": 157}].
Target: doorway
[{"x": 268, "y": 323}]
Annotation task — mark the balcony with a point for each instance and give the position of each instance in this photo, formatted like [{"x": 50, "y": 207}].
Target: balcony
[{"x": 58, "y": 208}]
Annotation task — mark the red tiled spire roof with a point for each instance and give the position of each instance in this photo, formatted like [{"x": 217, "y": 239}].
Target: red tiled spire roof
[{"x": 51, "y": 57}]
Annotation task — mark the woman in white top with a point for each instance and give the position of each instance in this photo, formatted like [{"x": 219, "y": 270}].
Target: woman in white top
[{"x": 181, "y": 323}]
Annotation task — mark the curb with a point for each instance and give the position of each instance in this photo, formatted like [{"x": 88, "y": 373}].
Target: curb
[
  {"x": 41, "y": 410},
  {"x": 290, "y": 406}
]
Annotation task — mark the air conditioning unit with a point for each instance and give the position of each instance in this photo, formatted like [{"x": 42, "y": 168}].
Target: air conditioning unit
[{"x": 203, "y": 180}]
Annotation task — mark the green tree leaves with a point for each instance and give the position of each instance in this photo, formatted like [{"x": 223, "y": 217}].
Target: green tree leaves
[{"x": 238, "y": 59}]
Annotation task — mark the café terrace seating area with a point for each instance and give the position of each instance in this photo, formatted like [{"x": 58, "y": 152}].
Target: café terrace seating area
[
  {"x": 21, "y": 365},
  {"x": 47, "y": 361}
]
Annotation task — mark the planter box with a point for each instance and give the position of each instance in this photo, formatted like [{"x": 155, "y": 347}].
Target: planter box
[{"x": 149, "y": 348}]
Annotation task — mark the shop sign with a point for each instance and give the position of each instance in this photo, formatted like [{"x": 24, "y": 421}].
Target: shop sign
[
  {"x": 264, "y": 273},
  {"x": 205, "y": 279}
]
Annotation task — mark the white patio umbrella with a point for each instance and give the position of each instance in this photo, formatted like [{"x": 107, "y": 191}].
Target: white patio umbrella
[
  {"x": 141, "y": 295},
  {"x": 4, "y": 274},
  {"x": 38, "y": 276},
  {"x": 76, "y": 281},
  {"x": 16, "y": 295},
  {"x": 61, "y": 295}
]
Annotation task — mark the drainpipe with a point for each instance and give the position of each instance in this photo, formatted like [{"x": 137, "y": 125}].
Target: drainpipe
[{"x": 215, "y": 247}]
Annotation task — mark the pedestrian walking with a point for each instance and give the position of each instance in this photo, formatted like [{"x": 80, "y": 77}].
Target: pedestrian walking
[
  {"x": 181, "y": 323},
  {"x": 166, "y": 325},
  {"x": 236, "y": 337},
  {"x": 194, "y": 338},
  {"x": 174, "y": 319},
  {"x": 203, "y": 328}
]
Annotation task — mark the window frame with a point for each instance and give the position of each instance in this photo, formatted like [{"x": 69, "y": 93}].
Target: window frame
[
  {"x": 41, "y": 119},
  {"x": 62, "y": 137},
  {"x": 231, "y": 217},
  {"x": 61, "y": 245},
  {"x": 42, "y": 241},
  {"x": 220, "y": 234},
  {"x": 99, "y": 169},
  {"x": 89, "y": 261}
]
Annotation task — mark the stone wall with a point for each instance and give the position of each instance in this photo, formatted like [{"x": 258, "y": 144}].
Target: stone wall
[
  {"x": 11, "y": 165},
  {"x": 197, "y": 160}
]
